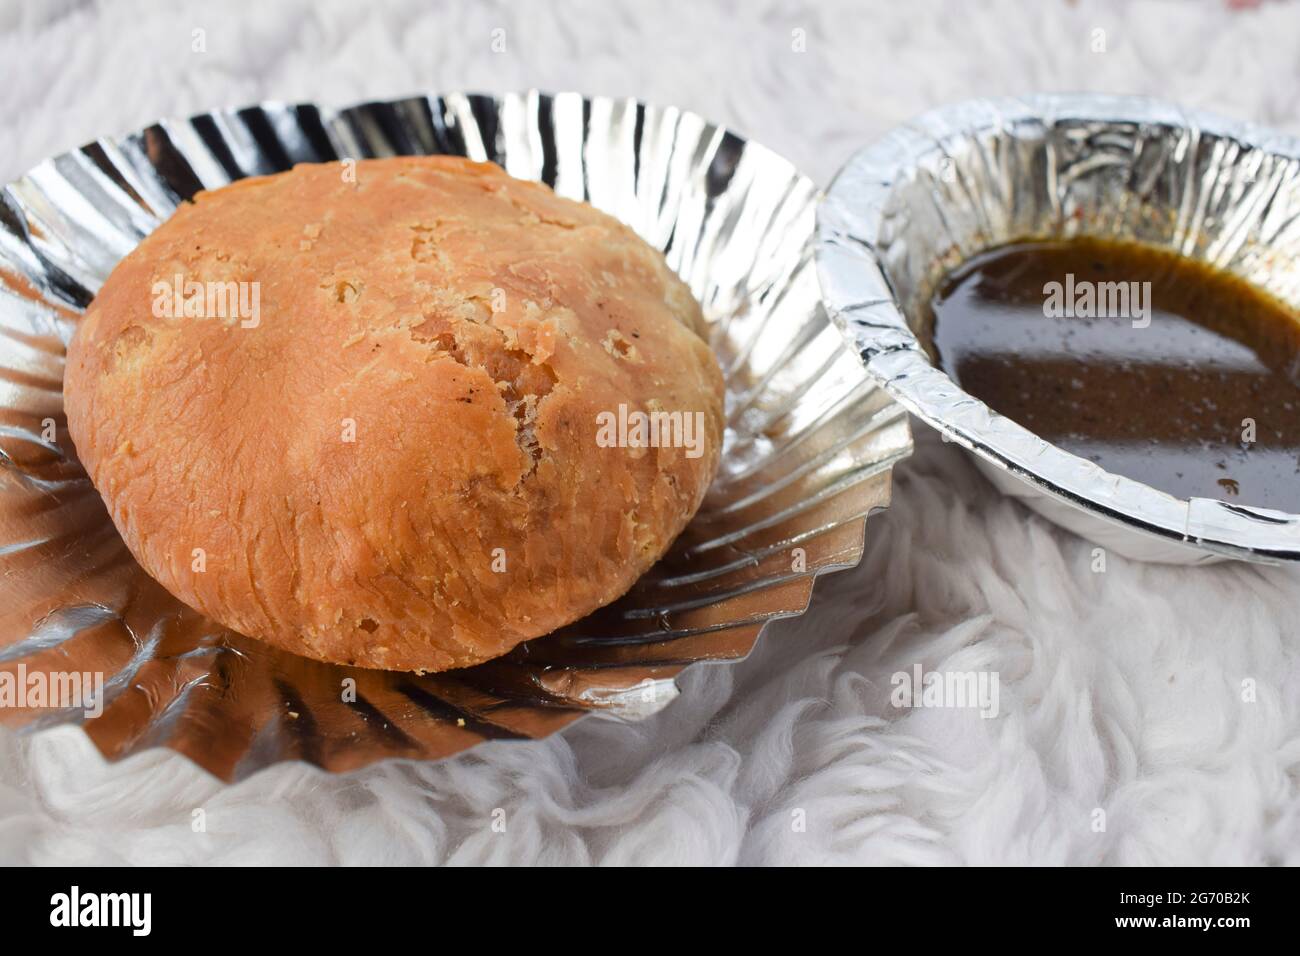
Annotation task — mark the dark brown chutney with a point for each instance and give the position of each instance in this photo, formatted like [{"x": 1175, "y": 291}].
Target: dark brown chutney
[{"x": 1152, "y": 365}]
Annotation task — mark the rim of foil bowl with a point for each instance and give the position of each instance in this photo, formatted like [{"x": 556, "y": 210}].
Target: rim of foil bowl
[{"x": 863, "y": 257}]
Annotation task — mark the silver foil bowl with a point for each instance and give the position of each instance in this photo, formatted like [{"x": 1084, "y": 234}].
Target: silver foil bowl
[
  {"x": 960, "y": 180},
  {"x": 808, "y": 450}
]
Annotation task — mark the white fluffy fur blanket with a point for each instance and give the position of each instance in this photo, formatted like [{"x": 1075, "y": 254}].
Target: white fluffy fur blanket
[{"x": 1120, "y": 691}]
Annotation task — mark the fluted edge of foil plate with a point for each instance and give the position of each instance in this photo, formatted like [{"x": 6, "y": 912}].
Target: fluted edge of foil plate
[
  {"x": 808, "y": 450},
  {"x": 907, "y": 209}
]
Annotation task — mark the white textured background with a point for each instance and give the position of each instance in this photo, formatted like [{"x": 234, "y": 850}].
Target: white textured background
[{"x": 1120, "y": 690}]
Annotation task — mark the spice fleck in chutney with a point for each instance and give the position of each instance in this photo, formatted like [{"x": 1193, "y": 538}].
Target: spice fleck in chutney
[{"x": 1152, "y": 365}]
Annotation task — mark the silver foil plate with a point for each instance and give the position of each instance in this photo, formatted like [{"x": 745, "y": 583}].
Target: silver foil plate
[
  {"x": 962, "y": 179},
  {"x": 809, "y": 445}
]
